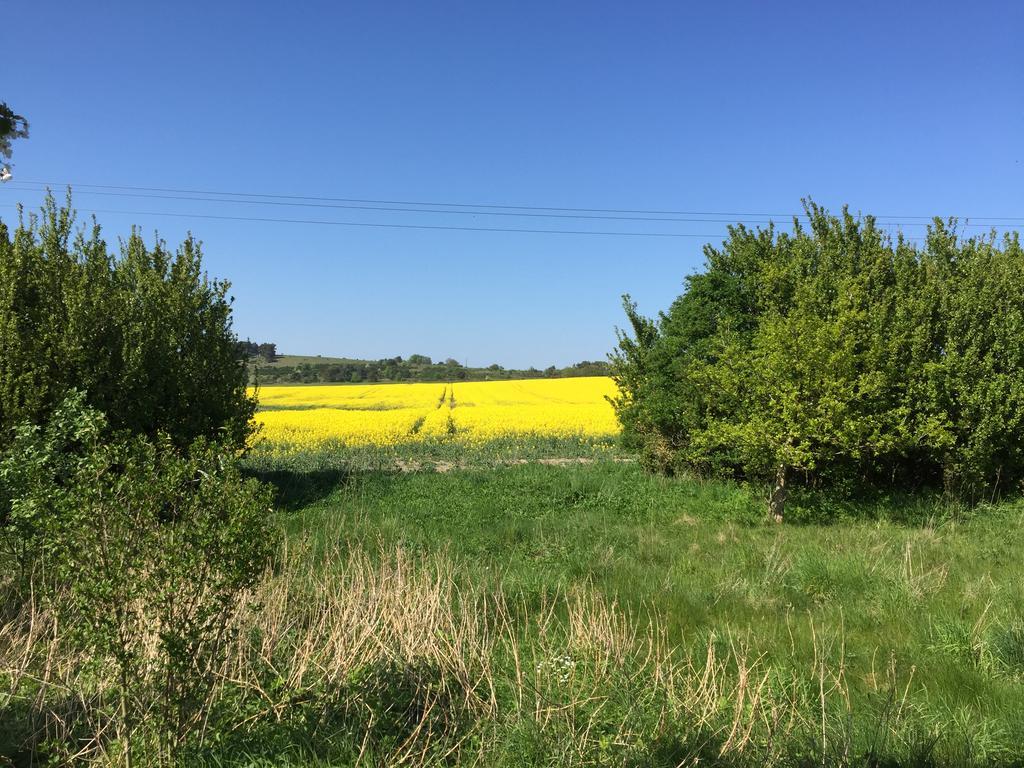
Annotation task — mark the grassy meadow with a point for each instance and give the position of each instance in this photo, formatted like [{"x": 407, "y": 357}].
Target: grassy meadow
[
  {"x": 539, "y": 599},
  {"x": 542, "y": 600}
]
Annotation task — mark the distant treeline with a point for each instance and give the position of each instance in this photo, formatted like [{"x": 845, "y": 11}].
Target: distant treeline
[
  {"x": 413, "y": 368},
  {"x": 266, "y": 352}
]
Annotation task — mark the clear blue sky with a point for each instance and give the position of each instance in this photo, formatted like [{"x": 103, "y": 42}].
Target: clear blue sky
[{"x": 894, "y": 108}]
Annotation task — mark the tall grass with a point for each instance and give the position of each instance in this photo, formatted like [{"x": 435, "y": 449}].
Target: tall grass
[
  {"x": 588, "y": 614},
  {"x": 386, "y": 660}
]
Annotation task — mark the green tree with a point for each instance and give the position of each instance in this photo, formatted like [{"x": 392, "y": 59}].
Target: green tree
[
  {"x": 834, "y": 356},
  {"x": 145, "y": 333},
  {"x": 267, "y": 351}
]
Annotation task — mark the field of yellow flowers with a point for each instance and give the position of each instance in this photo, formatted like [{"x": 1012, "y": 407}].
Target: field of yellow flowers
[{"x": 471, "y": 412}]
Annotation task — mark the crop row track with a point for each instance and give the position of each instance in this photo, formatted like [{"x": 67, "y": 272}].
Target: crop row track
[
  {"x": 438, "y": 422},
  {"x": 451, "y": 428}
]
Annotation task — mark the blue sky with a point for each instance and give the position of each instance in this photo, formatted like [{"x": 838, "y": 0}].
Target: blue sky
[{"x": 746, "y": 107}]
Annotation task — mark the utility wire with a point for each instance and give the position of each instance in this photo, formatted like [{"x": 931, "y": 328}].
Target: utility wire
[
  {"x": 397, "y": 226},
  {"x": 492, "y": 206},
  {"x": 716, "y": 236},
  {"x": 399, "y": 202},
  {"x": 347, "y": 206}
]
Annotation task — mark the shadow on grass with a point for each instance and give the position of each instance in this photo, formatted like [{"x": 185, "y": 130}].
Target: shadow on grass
[
  {"x": 298, "y": 488},
  {"x": 15, "y": 737},
  {"x": 906, "y": 508},
  {"x": 378, "y": 711}
]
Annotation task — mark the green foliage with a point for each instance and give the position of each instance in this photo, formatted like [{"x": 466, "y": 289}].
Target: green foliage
[
  {"x": 12, "y": 126},
  {"x": 835, "y": 356},
  {"x": 142, "y": 553},
  {"x": 312, "y": 370},
  {"x": 265, "y": 352},
  {"x": 146, "y": 334}
]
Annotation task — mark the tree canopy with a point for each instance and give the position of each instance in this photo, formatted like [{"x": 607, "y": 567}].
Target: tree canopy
[
  {"x": 836, "y": 355},
  {"x": 145, "y": 333}
]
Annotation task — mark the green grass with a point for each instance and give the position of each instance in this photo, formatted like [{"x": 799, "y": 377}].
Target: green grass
[
  {"x": 699, "y": 555},
  {"x": 302, "y": 476},
  {"x": 909, "y": 589},
  {"x": 549, "y": 603}
]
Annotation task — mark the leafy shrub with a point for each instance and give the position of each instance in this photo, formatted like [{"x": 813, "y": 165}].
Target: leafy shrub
[
  {"x": 143, "y": 554},
  {"x": 146, "y": 334},
  {"x": 835, "y": 356}
]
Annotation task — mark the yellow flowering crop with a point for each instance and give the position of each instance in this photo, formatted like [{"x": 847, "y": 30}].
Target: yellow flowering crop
[{"x": 392, "y": 414}]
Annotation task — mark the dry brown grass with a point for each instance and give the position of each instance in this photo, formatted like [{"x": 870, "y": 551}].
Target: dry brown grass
[{"x": 574, "y": 669}]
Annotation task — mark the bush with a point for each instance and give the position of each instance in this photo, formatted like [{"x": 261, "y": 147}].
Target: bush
[
  {"x": 835, "y": 356},
  {"x": 143, "y": 555},
  {"x": 146, "y": 334}
]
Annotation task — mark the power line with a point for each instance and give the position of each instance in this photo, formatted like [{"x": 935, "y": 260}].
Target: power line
[
  {"x": 193, "y": 198},
  {"x": 397, "y": 226},
  {"x": 399, "y": 202},
  {"x": 720, "y": 235},
  {"x": 493, "y": 206},
  {"x": 347, "y": 206}
]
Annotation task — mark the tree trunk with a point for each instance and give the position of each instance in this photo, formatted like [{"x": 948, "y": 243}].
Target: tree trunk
[{"x": 777, "y": 500}]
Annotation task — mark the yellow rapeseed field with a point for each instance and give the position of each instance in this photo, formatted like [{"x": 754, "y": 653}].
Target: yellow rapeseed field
[{"x": 472, "y": 412}]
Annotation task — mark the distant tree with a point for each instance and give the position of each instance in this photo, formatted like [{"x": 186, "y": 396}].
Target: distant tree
[
  {"x": 420, "y": 360},
  {"x": 592, "y": 368},
  {"x": 267, "y": 351},
  {"x": 397, "y": 369}
]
